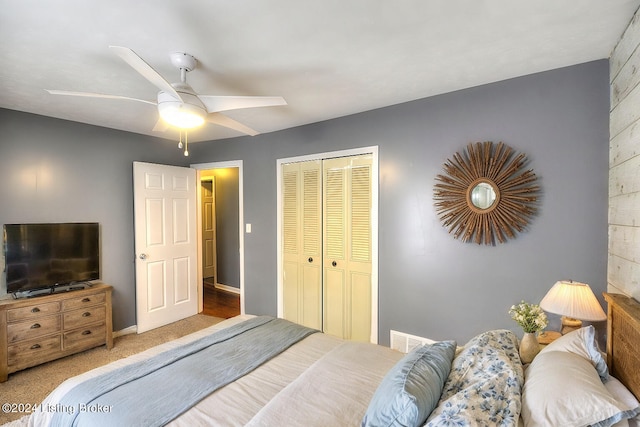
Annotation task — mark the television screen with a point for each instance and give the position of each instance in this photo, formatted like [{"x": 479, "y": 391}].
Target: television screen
[{"x": 46, "y": 255}]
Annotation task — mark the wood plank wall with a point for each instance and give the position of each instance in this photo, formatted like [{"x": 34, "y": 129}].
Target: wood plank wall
[{"x": 623, "y": 270}]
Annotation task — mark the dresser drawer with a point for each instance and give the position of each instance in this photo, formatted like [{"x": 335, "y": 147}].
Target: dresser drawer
[
  {"x": 33, "y": 328},
  {"x": 28, "y": 353},
  {"x": 83, "y": 301},
  {"x": 33, "y": 311},
  {"x": 77, "y": 318},
  {"x": 38, "y": 330},
  {"x": 84, "y": 338}
]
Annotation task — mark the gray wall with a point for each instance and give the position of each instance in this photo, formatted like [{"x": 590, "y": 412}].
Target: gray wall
[
  {"x": 429, "y": 283},
  {"x": 59, "y": 171}
]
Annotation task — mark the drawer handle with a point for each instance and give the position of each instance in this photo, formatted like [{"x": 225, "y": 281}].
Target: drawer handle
[
  {"x": 35, "y": 326},
  {"x": 86, "y": 314},
  {"x": 35, "y": 310},
  {"x": 35, "y": 346},
  {"x": 86, "y": 300},
  {"x": 86, "y": 332}
]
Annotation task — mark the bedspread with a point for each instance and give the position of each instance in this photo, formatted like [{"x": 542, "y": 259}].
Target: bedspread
[
  {"x": 319, "y": 369},
  {"x": 143, "y": 394}
]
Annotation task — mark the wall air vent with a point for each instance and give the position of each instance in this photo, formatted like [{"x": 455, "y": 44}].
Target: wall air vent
[{"x": 405, "y": 342}]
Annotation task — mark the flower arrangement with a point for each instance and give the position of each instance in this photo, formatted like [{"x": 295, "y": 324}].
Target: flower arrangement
[{"x": 529, "y": 316}]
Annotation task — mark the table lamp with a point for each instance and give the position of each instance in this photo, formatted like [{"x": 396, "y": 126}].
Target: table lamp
[{"x": 575, "y": 302}]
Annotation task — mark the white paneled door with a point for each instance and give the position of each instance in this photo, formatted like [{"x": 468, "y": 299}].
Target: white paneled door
[
  {"x": 165, "y": 244},
  {"x": 209, "y": 255}
]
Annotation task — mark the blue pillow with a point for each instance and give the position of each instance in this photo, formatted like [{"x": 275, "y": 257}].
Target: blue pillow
[{"x": 411, "y": 389}]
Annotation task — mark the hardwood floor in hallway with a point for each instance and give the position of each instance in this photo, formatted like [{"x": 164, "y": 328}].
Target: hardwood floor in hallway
[{"x": 219, "y": 303}]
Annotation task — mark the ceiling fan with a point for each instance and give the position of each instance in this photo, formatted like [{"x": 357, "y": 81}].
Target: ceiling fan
[{"x": 178, "y": 104}]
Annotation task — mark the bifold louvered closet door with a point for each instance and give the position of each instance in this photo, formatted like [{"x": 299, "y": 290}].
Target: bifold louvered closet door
[
  {"x": 327, "y": 245},
  {"x": 302, "y": 242}
]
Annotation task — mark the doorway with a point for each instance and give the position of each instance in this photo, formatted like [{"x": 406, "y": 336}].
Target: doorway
[{"x": 220, "y": 238}]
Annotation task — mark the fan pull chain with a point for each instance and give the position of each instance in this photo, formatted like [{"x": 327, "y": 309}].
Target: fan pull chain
[{"x": 186, "y": 143}]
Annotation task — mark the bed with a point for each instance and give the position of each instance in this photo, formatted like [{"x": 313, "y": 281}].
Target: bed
[{"x": 308, "y": 378}]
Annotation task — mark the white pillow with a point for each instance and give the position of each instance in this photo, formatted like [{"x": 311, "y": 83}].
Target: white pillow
[
  {"x": 622, "y": 394},
  {"x": 563, "y": 389},
  {"x": 583, "y": 343}
]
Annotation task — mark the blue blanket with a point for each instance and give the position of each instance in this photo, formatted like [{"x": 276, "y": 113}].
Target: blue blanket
[{"x": 157, "y": 390}]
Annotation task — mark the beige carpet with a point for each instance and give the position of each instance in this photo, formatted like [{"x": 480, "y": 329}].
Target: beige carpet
[{"x": 32, "y": 385}]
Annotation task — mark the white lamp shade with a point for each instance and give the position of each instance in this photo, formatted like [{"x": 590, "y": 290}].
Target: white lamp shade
[{"x": 573, "y": 299}]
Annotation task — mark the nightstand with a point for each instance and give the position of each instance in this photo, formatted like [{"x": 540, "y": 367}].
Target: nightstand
[{"x": 547, "y": 337}]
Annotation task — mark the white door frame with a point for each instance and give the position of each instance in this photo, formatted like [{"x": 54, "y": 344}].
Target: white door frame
[
  {"x": 223, "y": 165},
  {"x": 373, "y": 150}
]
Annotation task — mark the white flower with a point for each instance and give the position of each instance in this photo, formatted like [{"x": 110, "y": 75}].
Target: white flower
[{"x": 529, "y": 316}]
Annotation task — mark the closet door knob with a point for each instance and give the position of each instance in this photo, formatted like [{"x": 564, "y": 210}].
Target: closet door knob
[
  {"x": 334, "y": 263},
  {"x": 143, "y": 256},
  {"x": 310, "y": 259}
]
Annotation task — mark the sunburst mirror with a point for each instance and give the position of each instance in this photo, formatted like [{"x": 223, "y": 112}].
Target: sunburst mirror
[{"x": 486, "y": 194}]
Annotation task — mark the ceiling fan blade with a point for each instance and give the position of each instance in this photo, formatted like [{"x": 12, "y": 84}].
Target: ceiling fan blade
[
  {"x": 97, "y": 95},
  {"x": 222, "y": 120},
  {"x": 160, "y": 126},
  {"x": 138, "y": 64},
  {"x": 215, "y": 104}
]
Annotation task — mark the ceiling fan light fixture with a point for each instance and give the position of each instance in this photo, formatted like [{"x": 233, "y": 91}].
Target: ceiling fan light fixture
[
  {"x": 183, "y": 116},
  {"x": 187, "y": 113}
]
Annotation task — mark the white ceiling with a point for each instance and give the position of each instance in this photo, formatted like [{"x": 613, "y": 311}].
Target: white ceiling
[{"x": 327, "y": 58}]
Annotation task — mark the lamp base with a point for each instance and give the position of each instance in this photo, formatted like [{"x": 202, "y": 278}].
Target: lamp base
[{"x": 570, "y": 324}]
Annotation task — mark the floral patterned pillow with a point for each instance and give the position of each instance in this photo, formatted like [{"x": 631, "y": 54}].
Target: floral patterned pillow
[{"x": 484, "y": 385}]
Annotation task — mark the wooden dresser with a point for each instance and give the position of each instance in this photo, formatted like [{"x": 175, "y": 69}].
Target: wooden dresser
[{"x": 44, "y": 328}]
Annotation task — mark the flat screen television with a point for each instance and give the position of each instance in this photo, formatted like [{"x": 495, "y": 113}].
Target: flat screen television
[{"x": 39, "y": 256}]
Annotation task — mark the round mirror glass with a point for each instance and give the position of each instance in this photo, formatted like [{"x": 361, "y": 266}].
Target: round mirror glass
[{"x": 483, "y": 195}]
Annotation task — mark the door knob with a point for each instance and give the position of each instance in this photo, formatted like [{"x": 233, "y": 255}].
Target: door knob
[
  {"x": 310, "y": 259},
  {"x": 143, "y": 256},
  {"x": 334, "y": 263}
]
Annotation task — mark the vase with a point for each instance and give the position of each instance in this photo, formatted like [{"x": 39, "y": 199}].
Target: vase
[{"x": 529, "y": 347}]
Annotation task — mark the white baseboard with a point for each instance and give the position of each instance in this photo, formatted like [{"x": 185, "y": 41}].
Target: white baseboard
[
  {"x": 227, "y": 288},
  {"x": 126, "y": 331}
]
